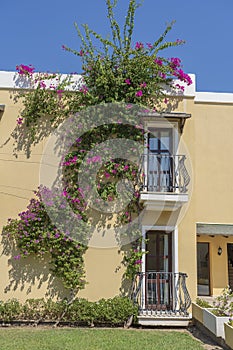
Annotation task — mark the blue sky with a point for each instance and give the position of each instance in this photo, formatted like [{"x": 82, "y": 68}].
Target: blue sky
[{"x": 34, "y": 32}]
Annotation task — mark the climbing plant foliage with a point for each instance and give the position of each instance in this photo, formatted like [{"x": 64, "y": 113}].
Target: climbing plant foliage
[{"x": 114, "y": 69}]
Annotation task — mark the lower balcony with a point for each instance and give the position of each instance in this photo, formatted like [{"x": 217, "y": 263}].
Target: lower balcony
[
  {"x": 163, "y": 299},
  {"x": 164, "y": 181}
]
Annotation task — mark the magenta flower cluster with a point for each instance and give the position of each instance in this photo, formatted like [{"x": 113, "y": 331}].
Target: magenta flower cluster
[
  {"x": 25, "y": 70},
  {"x": 139, "y": 45},
  {"x": 35, "y": 234}
]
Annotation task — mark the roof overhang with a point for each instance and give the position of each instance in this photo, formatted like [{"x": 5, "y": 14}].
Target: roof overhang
[
  {"x": 171, "y": 116},
  {"x": 214, "y": 229}
]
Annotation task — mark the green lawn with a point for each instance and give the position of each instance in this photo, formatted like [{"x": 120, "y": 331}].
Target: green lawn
[{"x": 94, "y": 339}]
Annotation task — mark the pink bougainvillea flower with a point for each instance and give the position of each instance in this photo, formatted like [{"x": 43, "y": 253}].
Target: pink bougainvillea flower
[
  {"x": 158, "y": 61},
  {"x": 143, "y": 85},
  {"x": 19, "y": 121},
  {"x": 149, "y": 45},
  {"x": 175, "y": 62},
  {"x": 17, "y": 257},
  {"x": 140, "y": 126},
  {"x": 74, "y": 159},
  {"x": 139, "y": 93},
  {"x": 65, "y": 193},
  {"x": 94, "y": 159},
  {"x": 107, "y": 175},
  {"x": 179, "y": 41},
  {"x": 127, "y": 81},
  {"x": 162, "y": 75},
  {"x": 165, "y": 101},
  {"x": 59, "y": 93},
  {"x": 84, "y": 89},
  {"x": 128, "y": 106},
  {"x": 138, "y": 262},
  {"x": 42, "y": 84},
  {"x": 181, "y": 75},
  {"x": 178, "y": 86},
  {"x": 25, "y": 70},
  {"x": 81, "y": 53},
  {"x": 78, "y": 140},
  {"x": 139, "y": 45}
]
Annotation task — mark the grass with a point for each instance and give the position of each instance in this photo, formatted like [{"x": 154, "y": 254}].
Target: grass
[{"x": 94, "y": 339}]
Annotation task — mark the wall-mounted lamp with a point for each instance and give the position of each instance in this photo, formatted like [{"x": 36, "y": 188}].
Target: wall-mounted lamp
[{"x": 219, "y": 250}]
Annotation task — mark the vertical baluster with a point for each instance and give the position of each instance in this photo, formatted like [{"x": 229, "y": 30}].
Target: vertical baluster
[
  {"x": 170, "y": 175},
  {"x": 156, "y": 172},
  {"x": 179, "y": 173}
]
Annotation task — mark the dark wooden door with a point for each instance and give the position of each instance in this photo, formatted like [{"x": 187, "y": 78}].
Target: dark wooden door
[{"x": 230, "y": 264}]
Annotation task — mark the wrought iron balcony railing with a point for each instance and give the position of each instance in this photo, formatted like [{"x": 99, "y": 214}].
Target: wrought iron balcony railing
[
  {"x": 164, "y": 173},
  {"x": 161, "y": 292}
]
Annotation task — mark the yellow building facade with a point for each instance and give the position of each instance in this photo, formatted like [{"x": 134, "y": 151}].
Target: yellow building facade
[{"x": 187, "y": 191}]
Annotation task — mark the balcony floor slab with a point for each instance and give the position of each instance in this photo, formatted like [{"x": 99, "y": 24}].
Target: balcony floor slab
[
  {"x": 166, "y": 201},
  {"x": 164, "y": 321}
]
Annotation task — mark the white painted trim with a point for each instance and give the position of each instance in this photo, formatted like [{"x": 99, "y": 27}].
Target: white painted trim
[
  {"x": 175, "y": 250},
  {"x": 213, "y": 97},
  {"x": 12, "y": 80},
  {"x": 189, "y": 90}
]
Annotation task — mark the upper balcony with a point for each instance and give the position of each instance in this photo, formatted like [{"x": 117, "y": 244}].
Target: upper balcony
[{"x": 164, "y": 181}]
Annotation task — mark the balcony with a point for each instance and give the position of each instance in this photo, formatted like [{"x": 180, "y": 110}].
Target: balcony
[
  {"x": 164, "y": 181},
  {"x": 162, "y": 297}
]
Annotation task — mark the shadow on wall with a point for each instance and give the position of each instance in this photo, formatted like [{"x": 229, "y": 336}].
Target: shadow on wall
[
  {"x": 30, "y": 275},
  {"x": 25, "y": 137}
]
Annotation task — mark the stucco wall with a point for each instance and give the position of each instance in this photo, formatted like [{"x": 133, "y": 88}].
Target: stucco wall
[{"x": 208, "y": 137}]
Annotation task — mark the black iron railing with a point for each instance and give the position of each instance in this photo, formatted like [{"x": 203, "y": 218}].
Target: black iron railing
[
  {"x": 161, "y": 292},
  {"x": 163, "y": 173}
]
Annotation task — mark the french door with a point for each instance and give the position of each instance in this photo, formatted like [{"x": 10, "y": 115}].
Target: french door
[
  {"x": 160, "y": 161},
  {"x": 158, "y": 277}
]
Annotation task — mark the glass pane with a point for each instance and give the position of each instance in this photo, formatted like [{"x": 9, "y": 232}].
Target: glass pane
[
  {"x": 153, "y": 143},
  {"x": 151, "y": 256},
  {"x": 165, "y": 140},
  {"x": 203, "y": 287},
  {"x": 157, "y": 258}
]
